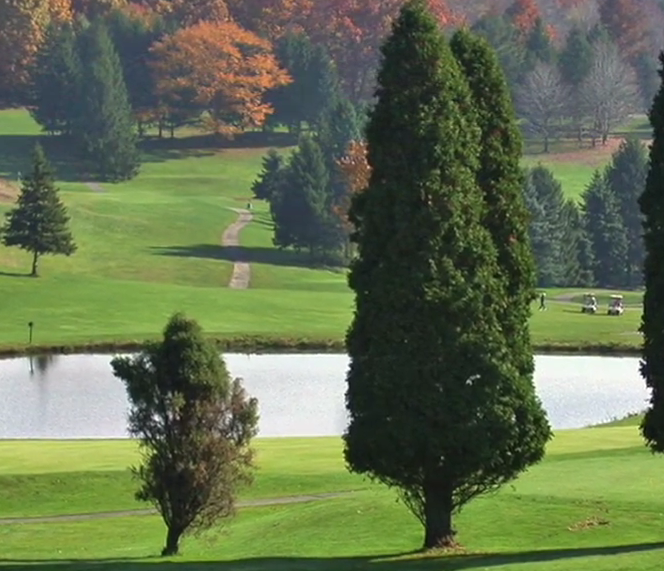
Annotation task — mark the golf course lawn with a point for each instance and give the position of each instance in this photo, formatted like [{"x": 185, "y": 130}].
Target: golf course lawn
[
  {"x": 595, "y": 503},
  {"x": 152, "y": 246}
]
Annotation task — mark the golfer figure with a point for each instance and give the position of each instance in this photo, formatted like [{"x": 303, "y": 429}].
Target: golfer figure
[{"x": 542, "y": 306}]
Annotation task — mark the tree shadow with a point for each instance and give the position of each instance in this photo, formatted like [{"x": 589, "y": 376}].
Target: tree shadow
[
  {"x": 234, "y": 254},
  {"x": 386, "y": 562},
  {"x": 26, "y": 274}
]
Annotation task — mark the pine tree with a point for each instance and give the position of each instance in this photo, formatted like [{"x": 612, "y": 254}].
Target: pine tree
[
  {"x": 271, "y": 177},
  {"x": 652, "y": 320},
  {"x": 300, "y": 209},
  {"x": 500, "y": 179},
  {"x": 437, "y": 409},
  {"x": 39, "y": 223},
  {"x": 538, "y": 45},
  {"x": 606, "y": 232},
  {"x": 105, "y": 125},
  {"x": 627, "y": 174},
  {"x": 576, "y": 251},
  {"x": 339, "y": 125},
  {"x": 576, "y": 58},
  {"x": 549, "y": 196},
  {"x": 56, "y": 81}
]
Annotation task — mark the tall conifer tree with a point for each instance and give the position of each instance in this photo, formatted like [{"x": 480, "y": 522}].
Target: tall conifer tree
[
  {"x": 437, "y": 407},
  {"x": 105, "y": 124},
  {"x": 652, "y": 321}
]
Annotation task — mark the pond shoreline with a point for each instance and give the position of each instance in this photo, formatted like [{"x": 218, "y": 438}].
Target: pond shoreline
[{"x": 277, "y": 345}]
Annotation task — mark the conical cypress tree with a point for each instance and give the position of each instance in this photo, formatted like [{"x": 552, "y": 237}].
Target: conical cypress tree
[
  {"x": 39, "y": 224},
  {"x": 437, "y": 407},
  {"x": 652, "y": 321},
  {"x": 500, "y": 178},
  {"x": 105, "y": 125}
]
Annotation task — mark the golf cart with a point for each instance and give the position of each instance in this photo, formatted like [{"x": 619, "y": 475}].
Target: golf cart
[
  {"x": 616, "y": 305},
  {"x": 589, "y": 303}
]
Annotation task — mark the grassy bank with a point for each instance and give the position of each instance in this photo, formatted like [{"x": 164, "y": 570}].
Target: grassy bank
[
  {"x": 592, "y": 504},
  {"x": 152, "y": 246}
]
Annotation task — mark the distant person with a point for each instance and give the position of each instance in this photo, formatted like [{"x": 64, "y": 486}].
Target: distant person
[
  {"x": 542, "y": 306},
  {"x": 248, "y": 205}
]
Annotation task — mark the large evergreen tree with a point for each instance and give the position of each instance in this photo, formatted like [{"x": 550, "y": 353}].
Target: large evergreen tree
[
  {"x": 606, "y": 232},
  {"x": 652, "y": 321},
  {"x": 437, "y": 407},
  {"x": 105, "y": 125},
  {"x": 271, "y": 177},
  {"x": 576, "y": 250},
  {"x": 39, "y": 223},
  {"x": 56, "y": 81},
  {"x": 627, "y": 174}
]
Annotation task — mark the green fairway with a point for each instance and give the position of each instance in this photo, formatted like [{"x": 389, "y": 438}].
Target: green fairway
[
  {"x": 152, "y": 246},
  {"x": 593, "y": 504}
]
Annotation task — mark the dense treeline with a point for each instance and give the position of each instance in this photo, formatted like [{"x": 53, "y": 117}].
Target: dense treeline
[{"x": 573, "y": 66}]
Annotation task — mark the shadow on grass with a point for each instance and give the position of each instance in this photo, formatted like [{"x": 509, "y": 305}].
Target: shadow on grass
[
  {"x": 252, "y": 255},
  {"x": 16, "y": 151},
  {"x": 392, "y": 562},
  {"x": 16, "y": 274}
]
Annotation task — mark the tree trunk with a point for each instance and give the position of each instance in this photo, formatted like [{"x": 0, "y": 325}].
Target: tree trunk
[
  {"x": 438, "y": 531},
  {"x": 546, "y": 143},
  {"x": 35, "y": 259},
  {"x": 172, "y": 546}
]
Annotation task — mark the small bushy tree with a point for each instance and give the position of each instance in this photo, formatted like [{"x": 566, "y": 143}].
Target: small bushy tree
[
  {"x": 39, "y": 224},
  {"x": 194, "y": 425}
]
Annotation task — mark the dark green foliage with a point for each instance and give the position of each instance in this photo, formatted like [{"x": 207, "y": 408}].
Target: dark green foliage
[
  {"x": 503, "y": 38},
  {"x": 538, "y": 45},
  {"x": 132, "y": 38},
  {"x": 105, "y": 126},
  {"x": 315, "y": 82},
  {"x": 271, "y": 177},
  {"x": 652, "y": 321},
  {"x": 606, "y": 232},
  {"x": 500, "y": 179},
  {"x": 437, "y": 407},
  {"x": 194, "y": 425},
  {"x": 576, "y": 250},
  {"x": 576, "y": 58},
  {"x": 627, "y": 178},
  {"x": 546, "y": 200},
  {"x": 339, "y": 125},
  {"x": 39, "y": 223},
  {"x": 56, "y": 81},
  {"x": 301, "y": 210}
]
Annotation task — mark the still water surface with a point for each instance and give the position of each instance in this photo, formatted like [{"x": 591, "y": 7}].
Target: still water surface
[{"x": 77, "y": 396}]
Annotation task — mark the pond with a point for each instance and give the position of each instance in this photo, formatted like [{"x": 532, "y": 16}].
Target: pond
[{"x": 77, "y": 396}]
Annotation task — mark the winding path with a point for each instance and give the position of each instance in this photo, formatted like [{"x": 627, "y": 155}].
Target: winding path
[
  {"x": 128, "y": 513},
  {"x": 230, "y": 240}
]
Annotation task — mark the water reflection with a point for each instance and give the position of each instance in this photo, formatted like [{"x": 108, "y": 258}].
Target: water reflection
[{"x": 77, "y": 396}]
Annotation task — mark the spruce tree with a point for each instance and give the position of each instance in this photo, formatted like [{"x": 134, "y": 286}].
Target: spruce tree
[
  {"x": 300, "y": 209},
  {"x": 500, "y": 179},
  {"x": 437, "y": 408},
  {"x": 105, "y": 125},
  {"x": 576, "y": 251},
  {"x": 606, "y": 232},
  {"x": 271, "y": 177},
  {"x": 56, "y": 81},
  {"x": 39, "y": 223},
  {"x": 576, "y": 58},
  {"x": 652, "y": 320},
  {"x": 627, "y": 174}
]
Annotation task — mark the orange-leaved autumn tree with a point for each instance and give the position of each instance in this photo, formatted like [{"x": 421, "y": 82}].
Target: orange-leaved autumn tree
[
  {"x": 221, "y": 68},
  {"x": 60, "y": 10},
  {"x": 353, "y": 31},
  {"x": 523, "y": 14},
  {"x": 271, "y": 18},
  {"x": 355, "y": 169},
  {"x": 189, "y": 12},
  {"x": 627, "y": 24},
  {"x": 22, "y": 27}
]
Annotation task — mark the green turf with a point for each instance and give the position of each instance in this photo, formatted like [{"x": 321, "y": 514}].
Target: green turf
[
  {"x": 592, "y": 504},
  {"x": 151, "y": 246}
]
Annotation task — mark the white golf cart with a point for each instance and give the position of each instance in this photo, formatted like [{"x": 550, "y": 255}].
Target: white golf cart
[
  {"x": 589, "y": 303},
  {"x": 616, "y": 305}
]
